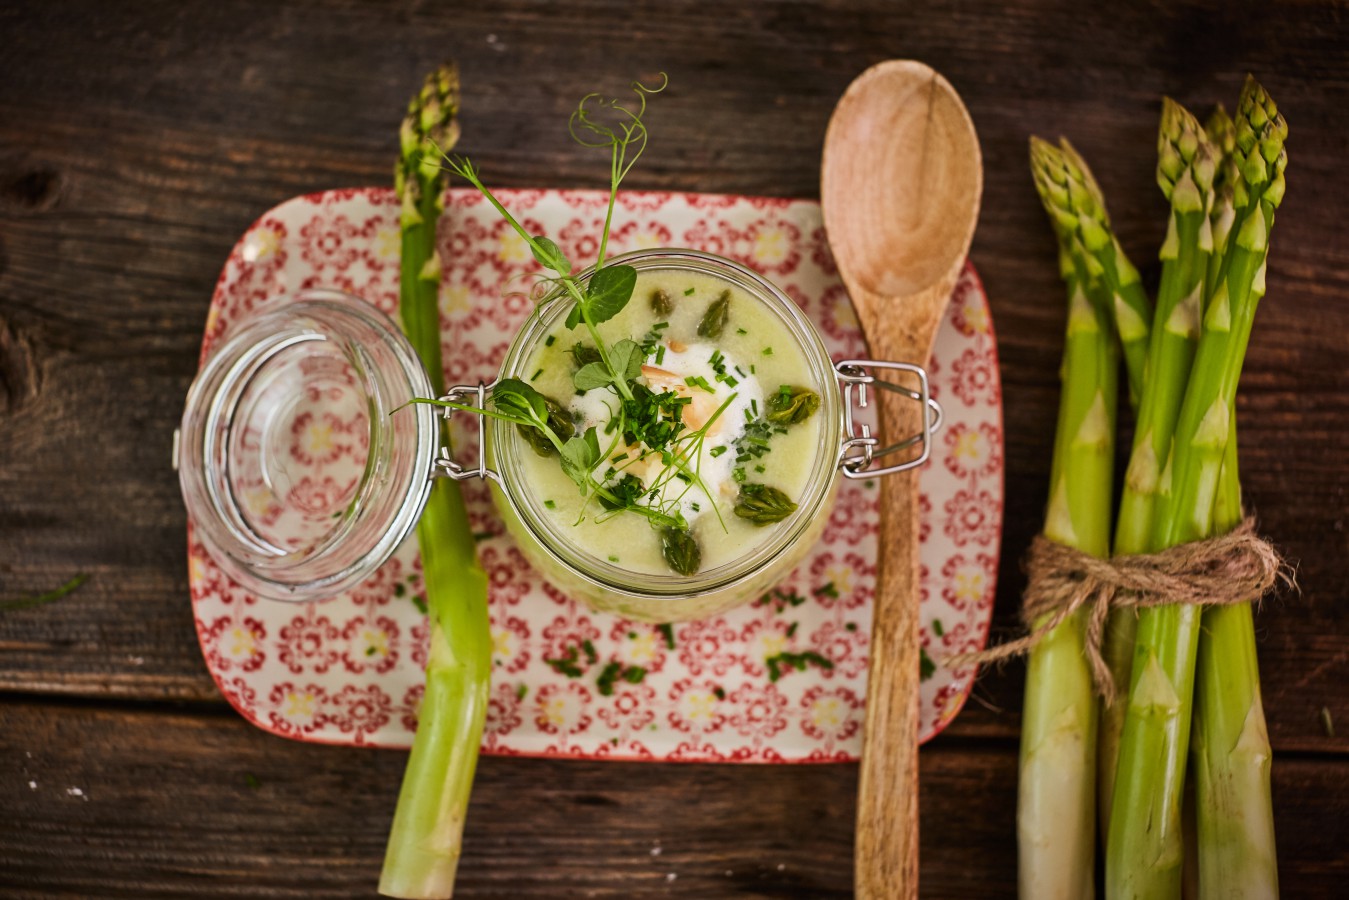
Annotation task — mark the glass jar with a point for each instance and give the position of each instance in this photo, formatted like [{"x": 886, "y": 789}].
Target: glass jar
[
  {"x": 234, "y": 428},
  {"x": 297, "y": 479}
]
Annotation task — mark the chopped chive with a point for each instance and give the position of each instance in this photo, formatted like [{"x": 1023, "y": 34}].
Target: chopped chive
[
  {"x": 717, "y": 451},
  {"x": 550, "y": 504},
  {"x": 695, "y": 507},
  {"x": 937, "y": 628},
  {"x": 754, "y": 407},
  {"x": 791, "y": 629},
  {"x": 759, "y": 469},
  {"x": 535, "y": 376},
  {"x": 826, "y": 590},
  {"x": 660, "y": 354},
  {"x": 550, "y": 340},
  {"x": 741, "y": 331},
  {"x": 660, "y": 326},
  {"x": 613, "y": 558},
  {"x": 689, "y": 292},
  {"x": 752, "y": 370},
  {"x": 667, "y": 630},
  {"x": 741, "y": 372},
  {"x": 768, "y": 351}
]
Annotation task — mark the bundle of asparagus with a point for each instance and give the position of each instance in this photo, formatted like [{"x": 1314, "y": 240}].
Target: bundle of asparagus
[{"x": 1223, "y": 182}]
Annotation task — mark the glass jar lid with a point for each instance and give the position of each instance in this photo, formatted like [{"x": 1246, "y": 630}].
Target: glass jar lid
[{"x": 297, "y": 479}]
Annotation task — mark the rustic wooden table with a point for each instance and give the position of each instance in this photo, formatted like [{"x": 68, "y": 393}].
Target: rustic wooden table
[{"x": 137, "y": 143}]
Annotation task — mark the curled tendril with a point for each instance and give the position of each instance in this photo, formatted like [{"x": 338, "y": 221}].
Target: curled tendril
[{"x": 629, "y": 131}]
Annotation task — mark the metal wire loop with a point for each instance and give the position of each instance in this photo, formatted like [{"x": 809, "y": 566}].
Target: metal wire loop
[
  {"x": 446, "y": 466},
  {"x": 860, "y": 448}
]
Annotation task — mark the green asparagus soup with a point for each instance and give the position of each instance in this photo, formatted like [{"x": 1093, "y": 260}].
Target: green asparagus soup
[{"x": 706, "y": 453}]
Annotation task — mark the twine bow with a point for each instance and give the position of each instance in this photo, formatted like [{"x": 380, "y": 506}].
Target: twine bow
[{"x": 1237, "y": 567}]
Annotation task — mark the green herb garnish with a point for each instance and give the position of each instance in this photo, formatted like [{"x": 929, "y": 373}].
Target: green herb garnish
[
  {"x": 785, "y": 662},
  {"x": 762, "y": 504},
  {"x": 926, "y": 667},
  {"x": 661, "y": 302},
  {"x": 714, "y": 320},
  {"x": 792, "y": 405},
  {"x": 667, "y": 631},
  {"x": 48, "y": 597},
  {"x": 680, "y": 550}
]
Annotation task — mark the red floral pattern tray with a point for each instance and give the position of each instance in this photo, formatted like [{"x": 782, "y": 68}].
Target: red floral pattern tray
[{"x": 349, "y": 670}]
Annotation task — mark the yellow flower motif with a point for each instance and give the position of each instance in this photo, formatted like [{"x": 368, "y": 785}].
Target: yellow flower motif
[
  {"x": 513, "y": 248},
  {"x": 258, "y": 501},
  {"x": 770, "y": 246},
  {"x": 641, "y": 649},
  {"x": 376, "y": 642},
  {"x": 501, "y": 643},
  {"x": 260, "y": 245},
  {"x": 969, "y": 584},
  {"x": 967, "y": 445},
  {"x": 388, "y": 243},
  {"x": 845, "y": 315},
  {"x": 299, "y": 704},
  {"x": 948, "y": 713},
  {"x": 771, "y": 644},
  {"x": 555, "y": 711},
  {"x": 699, "y": 705},
  {"x": 976, "y": 314},
  {"x": 454, "y": 298},
  {"x": 318, "y": 438},
  {"x": 646, "y": 240},
  {"x": 212, "y": 318},
  {"x": 243, "y": 643},
  {"x": 196, "y": 570},
  {"x": 841, "y": 577},
  {"x": 827, "y": 712}
]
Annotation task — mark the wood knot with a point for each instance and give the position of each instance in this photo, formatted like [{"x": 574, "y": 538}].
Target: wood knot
[
  {"x": 20, "y": 374},
  {"x": 33, "y": 190}
]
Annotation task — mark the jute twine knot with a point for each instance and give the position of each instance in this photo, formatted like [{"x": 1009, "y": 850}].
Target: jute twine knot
[{"x": 1237, "y": 567}]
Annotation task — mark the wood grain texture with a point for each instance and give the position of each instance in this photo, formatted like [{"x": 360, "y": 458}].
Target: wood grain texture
[
  {"x": 138, "y": 142},
  {"x": 900, "y": 180},
  {"x": 196, "y": 804}
]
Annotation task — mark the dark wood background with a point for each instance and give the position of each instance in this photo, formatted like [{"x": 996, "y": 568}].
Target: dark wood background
[{"x": 137, "y": 141}]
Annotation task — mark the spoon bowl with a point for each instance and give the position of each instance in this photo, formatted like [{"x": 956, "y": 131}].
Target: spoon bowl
[{"x": 900, "y": 184}]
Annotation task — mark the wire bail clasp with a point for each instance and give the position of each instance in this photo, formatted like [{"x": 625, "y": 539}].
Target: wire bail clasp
[
  {"x": 859, "y": 448},
  {"x": 445, "y": 465}
]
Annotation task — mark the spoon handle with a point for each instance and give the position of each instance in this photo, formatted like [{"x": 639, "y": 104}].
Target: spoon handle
[{"x": 886, "y": 857}]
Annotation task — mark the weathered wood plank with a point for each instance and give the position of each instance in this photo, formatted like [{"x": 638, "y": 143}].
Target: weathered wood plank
[{"x": 178, "y": 804}]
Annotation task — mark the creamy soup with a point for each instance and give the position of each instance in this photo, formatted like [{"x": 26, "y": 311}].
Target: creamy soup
[{"x": 743, "y": 445}]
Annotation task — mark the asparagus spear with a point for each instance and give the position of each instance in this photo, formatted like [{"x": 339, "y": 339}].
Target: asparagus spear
[
  {"x": 1230, "y": 753},
  {"x": 1055, "y": 797},
  {"x": 1144, "y": 844},
  {"x": 1222, "y": 134},
  {"x": 1186, "y": 162},
  {"x": 424, "y": 842},
  {"x": 1077, "y": 208}
]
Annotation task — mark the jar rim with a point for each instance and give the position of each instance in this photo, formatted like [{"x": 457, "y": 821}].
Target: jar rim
[
  {"x": 823, "y": 476},
  {"x": 394, "y": 481}
]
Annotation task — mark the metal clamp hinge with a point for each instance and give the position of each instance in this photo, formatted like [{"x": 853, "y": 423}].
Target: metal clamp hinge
[
  {"x": 860, "y": 448},
  {"x": 445, "y": 465}
]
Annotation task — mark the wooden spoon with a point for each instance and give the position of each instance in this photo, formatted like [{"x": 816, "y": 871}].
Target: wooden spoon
[{"x": 900, "y": 185}]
